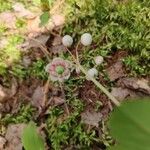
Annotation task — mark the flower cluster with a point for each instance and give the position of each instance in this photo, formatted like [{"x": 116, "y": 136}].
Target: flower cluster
[{"x": 59, "y": 69}]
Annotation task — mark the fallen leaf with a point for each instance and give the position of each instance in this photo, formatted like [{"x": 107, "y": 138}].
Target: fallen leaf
[
  {"x": 58, "y": 49},
  {"x": 115, "y": 71},
  {"x": 91, "y": 118},
  {"x": 57, "y": 41},
  {"x": 35, "y": 42},
  {"x": 3, "y": 94},
  {"x": 26, "y": 61},
  {"x": 2, "y": 142},
  {"x": 120, "y": 93},
  {"x": 8, "y": 19},
  {"x": 33, "y": 28},
  {"x": 58, "y": 101},
  {"x": 58, "y": 19},
  {"x": 37, "y": 97},
  {"x": 54, "y": 44},
  {"x": 3, "y": 43},
  {"x": 141, "y": 85},
  {"x": 20, "y": 11},
  {"x": 6, "y": 93},
  {"x": 13, "y": 136}
]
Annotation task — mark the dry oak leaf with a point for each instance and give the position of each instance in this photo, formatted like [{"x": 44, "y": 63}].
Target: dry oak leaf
[
  {"x": 115, "y": 71},
  {"x": 91, "y": 118}
]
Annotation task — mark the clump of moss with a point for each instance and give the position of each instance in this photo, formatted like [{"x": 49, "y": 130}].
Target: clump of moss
[{"x": 114, "y": 25}]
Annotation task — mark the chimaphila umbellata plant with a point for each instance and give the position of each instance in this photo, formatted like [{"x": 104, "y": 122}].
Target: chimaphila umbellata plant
[{"x": 59, "y": 69}]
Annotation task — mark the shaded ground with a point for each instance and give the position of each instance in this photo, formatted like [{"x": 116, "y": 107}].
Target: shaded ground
[{"x": 72, "y": 117}]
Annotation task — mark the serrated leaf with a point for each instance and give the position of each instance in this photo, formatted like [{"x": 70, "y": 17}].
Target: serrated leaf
[
  {"x": 44, "y": 18},
  {"x": 130, "y": 125},
  {"x": 31, "y": 140}
]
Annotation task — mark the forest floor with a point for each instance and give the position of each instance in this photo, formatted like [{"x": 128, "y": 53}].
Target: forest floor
[{"x": 72, "y": 115}]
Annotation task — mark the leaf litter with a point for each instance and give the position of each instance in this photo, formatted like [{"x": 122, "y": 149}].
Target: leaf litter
[{"x": 33, "y": 91}]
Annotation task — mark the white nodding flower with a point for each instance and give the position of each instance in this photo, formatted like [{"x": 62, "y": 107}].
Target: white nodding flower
[
  {"x": 92, "y": 72},
  {"x": 67, "y": 40},
  {"x": 86, "y": 39},
  {"x": 98, "y": 60}
]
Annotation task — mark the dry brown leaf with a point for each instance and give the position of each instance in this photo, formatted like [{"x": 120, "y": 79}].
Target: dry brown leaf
[
  {"x": 20, "y": 11},
  {"x": 115, "y": 71},
  {"x": 91, "y": 118},
  {"x": 57, "y": 41},
  {"x": 58, "y": 19},
  {"x": 26, "y": 61},
  {"x": 6, "y": 93},
  {"x": 13, "y": 136},
  {"x": 58, "y": 101},
  {"x": 58, "y": 49},
  {"x": 38, "y": 97},
  {"x": 2, "y": 142},
  {"x": 8, "y": 19},
  {"x": 120, "y": 93},
  {"x": 36, "y": 42},
  {"x": 33, "y": 28},
  {"x": 3, "y": 94},
  {"x": 141, "y": 85},
  {"x": 3, "y": 43}
]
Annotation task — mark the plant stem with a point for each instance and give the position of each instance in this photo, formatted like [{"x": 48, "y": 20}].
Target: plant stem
[
  {"x": 110, "y": 96},
  {"x": 101, "y": 87}
]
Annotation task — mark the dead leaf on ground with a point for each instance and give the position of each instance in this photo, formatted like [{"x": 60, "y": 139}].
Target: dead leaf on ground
[
  {"x": 26, "y": 61},
  {"x": 54, "y": 44},
  {"x": 141, "y": 85},
  {"x": 6, "y": 93},
  {"x": 36, "y": 42},
  {"x": 21, "y": 11},
  {"x": 13, "y": 136},
  {"x": 91, "y": 118},
  {"x": 33, "y": 28},
  {"x": 8, "y": 19},
  {"x": 58, "y": 49},
  {"x": 115, "y": 71},
  {"x": 58, "y": 19},
  {"x": 57, "y": 41},
  {"x": 3, "y": 43},
  {"x": 2, "y": 142},
  {"x": 38, "y": 97},
  {"x": 57, "y": 101},
  {"x": 122, "y": 93}
]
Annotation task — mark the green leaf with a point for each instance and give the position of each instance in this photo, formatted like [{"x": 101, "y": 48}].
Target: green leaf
[
  {"x": 44, "y": 18},
  {"x": 31, "y": 140},
  {"x": 130, "y": 125}
]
